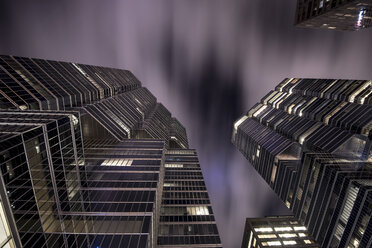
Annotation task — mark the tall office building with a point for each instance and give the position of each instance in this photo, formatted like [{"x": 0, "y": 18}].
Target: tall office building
[
  {"x": 310, "y": 139},
  {"x": 84, "y": 158},
  {"x": 347, "y": 15}
]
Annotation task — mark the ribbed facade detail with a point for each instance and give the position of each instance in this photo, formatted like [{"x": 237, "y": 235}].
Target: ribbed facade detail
[
  {"x": 310, "y": 139},
  {"x": 85, "y": 162},
  {"x": 345, "y": 15}
]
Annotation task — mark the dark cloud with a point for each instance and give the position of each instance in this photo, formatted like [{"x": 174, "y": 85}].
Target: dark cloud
[{"x": 207, "y": 61}]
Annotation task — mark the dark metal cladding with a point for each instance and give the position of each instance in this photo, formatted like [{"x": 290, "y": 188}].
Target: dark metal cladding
[
  {"x": 310, "y": 139},
  {"x": 84, "y": 158},
  {"x": 345, "y": 15}
]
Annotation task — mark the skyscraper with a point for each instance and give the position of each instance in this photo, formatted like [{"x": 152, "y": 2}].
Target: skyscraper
[
  {"x": 85, "y": 157},
  {"x": 348, "y": 15},
  {"x": 310, "y": 139}
]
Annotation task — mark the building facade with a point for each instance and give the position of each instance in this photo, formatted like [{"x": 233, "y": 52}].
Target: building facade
[
  {"x": 83, "y": 158},
  {"x": 276, "y": 231},
  {"x": 345, "y": 15},
  {"x": 310, "y": 139}
]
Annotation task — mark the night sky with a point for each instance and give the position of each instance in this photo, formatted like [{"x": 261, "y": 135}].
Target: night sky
[{"x": 207, "y": 61}]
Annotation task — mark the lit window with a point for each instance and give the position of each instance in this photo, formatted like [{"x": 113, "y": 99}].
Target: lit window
[
  {"x": 302, "y": 234},
  {"x": 75, "y": 120},
  {"x": 287, "y": 235},
  {"x": 274, "y": 243},
  {"x": 289, "y": 242},
  {"x": 267, "y": 236},
  {"x": 307, "y": 241},
  {"x": 284, "y": 228},
  {"x": 174, "y": 165},
  {"x": 300, "y": 228},
  {"x": 199, "y": 210},
  {"x": 22, "y": 107},
  {"x": 170, "y": 185},
  {"x": 117, "y": 162},
  {"x": 263, "y": 229}
]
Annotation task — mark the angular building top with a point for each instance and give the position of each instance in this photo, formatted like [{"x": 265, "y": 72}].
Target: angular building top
[
  {"x": 310, "y": 139},
  {"x": 86, "y": 161},
  {"x": 112, "y": 98},
  {"x": 347, "y": 15}
]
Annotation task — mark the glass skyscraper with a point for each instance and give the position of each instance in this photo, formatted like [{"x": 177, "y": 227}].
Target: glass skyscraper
[
  {"x": 89, "y": 158},
  {"x": 310, "y": 139},
  {"x": 346, "y": 15}
]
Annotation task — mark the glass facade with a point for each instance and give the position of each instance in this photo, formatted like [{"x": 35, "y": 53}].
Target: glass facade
[
  {"x": 282, "y": 231},
  {"x": 186, "y": 215},
  {"x": 310, "y": 139},
  {"x": 347, "y": 15},
  {"x": 87, "y": 159}
]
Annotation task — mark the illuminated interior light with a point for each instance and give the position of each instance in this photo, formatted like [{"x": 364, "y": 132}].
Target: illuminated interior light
[
  {"x": 267, "y": 236},
  {"x": 307, "y": 241},
  {"x": 23, "y": 107},
  {"x": 287, "y": 235},
  {"x": 199, "y": 210},
  {"x": 300, "y": 228},
  {"x": 289, "y": 242},
  {"x": 170, "y": 185},
  {"x": 283, "y": 228},
  {"x": 173, "y": 165},
  {"x": 75, "y": 120},
  {"x": 274, "y": 243},
  {"x": 263, "y": 229},
  {"x": 302, "y": 234},
  {"x": 117, "y": 162}
]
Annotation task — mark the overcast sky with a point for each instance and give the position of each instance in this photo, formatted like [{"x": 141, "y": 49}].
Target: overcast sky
[{"x": 207, "y": 61}]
